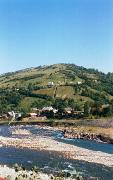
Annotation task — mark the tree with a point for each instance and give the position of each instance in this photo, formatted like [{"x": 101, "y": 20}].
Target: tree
[
  {"x": 87, "y": 109},
  {"x": 107, "y": 111},
  {"x": 96, "y": 108}
]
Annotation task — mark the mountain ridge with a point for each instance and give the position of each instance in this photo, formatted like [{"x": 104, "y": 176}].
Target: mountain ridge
[{"x": 41, "y": 66}]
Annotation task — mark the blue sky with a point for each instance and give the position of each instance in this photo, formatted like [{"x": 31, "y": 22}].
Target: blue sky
[{"x": 38, "y": 32}]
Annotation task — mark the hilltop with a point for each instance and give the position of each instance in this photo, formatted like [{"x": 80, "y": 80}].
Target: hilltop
[{"x": 65, "y": 85}]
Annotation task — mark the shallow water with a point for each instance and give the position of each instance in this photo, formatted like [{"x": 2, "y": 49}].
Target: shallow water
[{"x": 52, "y": 161}]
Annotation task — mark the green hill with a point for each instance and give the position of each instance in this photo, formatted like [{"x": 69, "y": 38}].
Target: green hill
[{"x": 47, "y": 85}]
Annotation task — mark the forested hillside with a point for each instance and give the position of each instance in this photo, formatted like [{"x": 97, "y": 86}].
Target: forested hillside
[{"x": 59, "y": 85}]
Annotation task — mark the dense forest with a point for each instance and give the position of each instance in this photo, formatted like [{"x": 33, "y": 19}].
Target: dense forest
[{"x": 60, "y": 86}]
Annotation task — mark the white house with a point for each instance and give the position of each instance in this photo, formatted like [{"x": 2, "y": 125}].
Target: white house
[
  {"x": 50, "y": 108},
  {"x": 50, "y": 84},
  {"x": 79, "y": 82}
]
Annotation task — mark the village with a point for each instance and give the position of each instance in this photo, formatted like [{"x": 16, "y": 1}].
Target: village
[
  {"x": 63, "y": 111},
  {"x": 43, "y": 114}
]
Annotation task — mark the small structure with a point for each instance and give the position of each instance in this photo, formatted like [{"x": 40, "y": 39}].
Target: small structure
[
  {"x": 3, "y": 117},
  {"x": 18, "y": 116},
  {"x": 33, "y": 115},
  {"x": 49, "y": 108},
  {"x": 50, "y": 84},
  {"x": 11, "y": 115},
  {"x": 42, "y": 118},
  {"x": 79, "y": 112},
  {"x": 36, "y": 110},
  {"x": 79, "y": 82},
  {"x": 105, "y": 106},
  {"x": 95, "y": 80},
  {"x": 49, "y": 112},
  {"x": 68, "y": 110},
  {"x": 14, "y": 115}
]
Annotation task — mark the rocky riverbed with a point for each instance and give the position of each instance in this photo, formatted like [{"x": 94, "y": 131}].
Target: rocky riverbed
[
  {"x": 47, "y": 142},
  {"x": 7, "y": 173},
  {"x": 70, "y": 134},
  {"x": 20, "y": 173}
]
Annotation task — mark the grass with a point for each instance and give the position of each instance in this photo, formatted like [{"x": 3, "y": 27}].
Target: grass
[
  {"x": 65, "y": 92},
  {"x": 48, "y": 91},
  {"x": 28, "y": 100}
]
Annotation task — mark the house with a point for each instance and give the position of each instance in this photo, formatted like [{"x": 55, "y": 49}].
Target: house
[
  {"x": 18, "y": 116},
  {"x": 36, "y": 110},
  {"x": 105, "y": 106},
  {"x": 49, "y": 112},
  {"x": 41, "y": 118},
  {"x": 3, "y": 117},
  {"x": 50, "y": 108},
  {"x": 11, "y": 114},
  {"x": 79, "y": 82},
  {"x": 95, "y": 80},
  {"x": 78, "y": 112},
  {"x": 33, "y": 115},
  {"x": 14, "y": 115},
  {"x": 55, "y": 110},
  {"x": 68, "y": 110},
  {"x": 50, "y": 84}
]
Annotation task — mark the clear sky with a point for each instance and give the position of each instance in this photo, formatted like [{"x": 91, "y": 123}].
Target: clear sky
[{"x": 41, "y": 32}]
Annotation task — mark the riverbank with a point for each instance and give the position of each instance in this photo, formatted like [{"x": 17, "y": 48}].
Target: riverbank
[
  {"x": 90, "y": 133},
  {"x": 44, "y": 142},
  {"x": 96, "y": 129},
  {"x": 103, "y": 127}
]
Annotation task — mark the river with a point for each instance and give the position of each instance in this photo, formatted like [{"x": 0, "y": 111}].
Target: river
[{"x": 51, "y": 162}]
